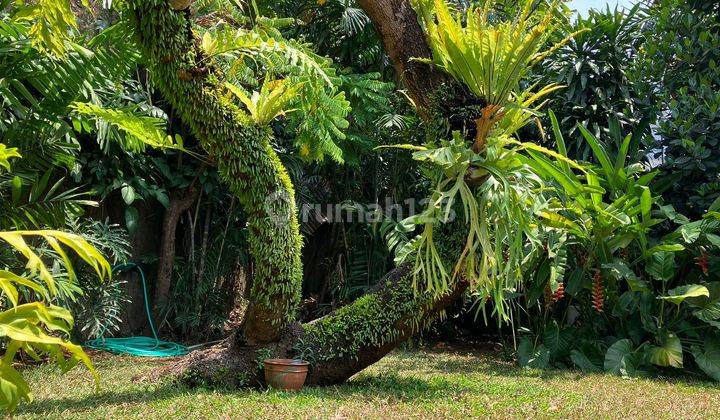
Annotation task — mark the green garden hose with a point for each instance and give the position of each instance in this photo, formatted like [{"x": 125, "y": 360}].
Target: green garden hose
[{"x": 139, "y": 346}]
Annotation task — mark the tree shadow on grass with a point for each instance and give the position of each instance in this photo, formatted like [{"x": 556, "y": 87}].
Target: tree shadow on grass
[
  {"x": 382, "y": 386},
  {"x": 491, "y": 364},
  {"x": 108, "y": 397},
  {"x": 406, "y": 388}
]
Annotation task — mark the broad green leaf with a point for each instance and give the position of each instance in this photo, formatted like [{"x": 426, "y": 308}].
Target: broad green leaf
[
  {"x": 13, "y": 388},
  {"x": 645, "y": 202},
  {"x": 679, "y": 294},
  {"x": 557, "y": 340},
  {"x": 140, "y": 130},
  {"x": 583, "y": 362},
  {"x": 621, "y": 358},
  {"x": 713, "y": 239},
  {"x": 622, "y": 154},
  {"x": 661, "y": 265},
  {"x": 6, "y": 153},
  {"x": 690, "y": 232},
  {"x": 708, "y": 357},
  {"x": 709, "y": 312},
  {"x": 665, "y": 248},
  {"x": 670, "y": 212},
  {"x": 536, "y": 358},
  {"x": 619, "y": 270},
  {"x": 131, "y": 219},
  {"x": 670, "y": 353},
  {"x": 707, "y": 308},
  {"x": 560, "y": 141},
  {"x": 599, "y": 151},
  {"x": 128, "y": 194}
]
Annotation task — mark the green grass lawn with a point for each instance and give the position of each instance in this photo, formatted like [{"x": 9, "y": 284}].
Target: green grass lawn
[{"x": 421, "y": 384}]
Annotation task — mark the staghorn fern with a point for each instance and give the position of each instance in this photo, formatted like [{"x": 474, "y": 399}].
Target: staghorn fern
[{"x": 492, "y": 185}]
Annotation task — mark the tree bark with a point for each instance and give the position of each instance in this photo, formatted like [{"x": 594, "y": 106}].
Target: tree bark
[
  {"x": 180, "y": 202},
  {"x": 354, "y": 337},
  {"x": 404, "y": 39}
]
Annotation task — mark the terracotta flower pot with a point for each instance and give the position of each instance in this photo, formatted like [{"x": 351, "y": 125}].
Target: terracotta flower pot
[{"x": 286, "y": 374}]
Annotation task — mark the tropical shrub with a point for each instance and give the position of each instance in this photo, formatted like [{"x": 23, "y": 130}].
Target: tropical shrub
[
  {"x": 28, "y": 322},
  {"x": 638, "y": 299},
  {"x": 595, "y": 68},
  {"x": 487, "y": 183}
]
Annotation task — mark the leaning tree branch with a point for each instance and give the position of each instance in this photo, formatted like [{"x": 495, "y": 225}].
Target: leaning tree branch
[{"x": 403, "y": 39}]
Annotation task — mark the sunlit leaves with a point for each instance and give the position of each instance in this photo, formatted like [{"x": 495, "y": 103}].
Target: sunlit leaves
[
  {"x": 669, "y": 353},
  {"x": 140, "y": 130},
  {"x": 270, "y": 102},
  {"x": 6, "y": 153},
  {"x": 310, "y": 86},
  {"x": 51, "y": 21},
  {"x": 487, "y": 55},
  {"x": 35, "y": 327},
  {"x": 680, "y": 293}
]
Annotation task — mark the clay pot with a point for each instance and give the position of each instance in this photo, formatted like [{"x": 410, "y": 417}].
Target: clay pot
[
  {"x": 286, "y": 374},
  {"x": 180, "y": 4}
]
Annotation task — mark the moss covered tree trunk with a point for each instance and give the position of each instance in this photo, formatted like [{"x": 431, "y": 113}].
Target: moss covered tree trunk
[
  {"x": 245, "y": 160},
  {"x": 341, "y": 343}
]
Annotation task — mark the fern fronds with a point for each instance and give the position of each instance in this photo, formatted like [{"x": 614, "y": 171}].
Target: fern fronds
[{"x": 140, "y": 131}]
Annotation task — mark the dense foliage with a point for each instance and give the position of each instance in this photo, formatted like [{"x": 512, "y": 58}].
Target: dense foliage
[
  {"x": 595, "y": 67},
  {"x": 266, "y": 145},
  {"x": 679, "y": 73}
]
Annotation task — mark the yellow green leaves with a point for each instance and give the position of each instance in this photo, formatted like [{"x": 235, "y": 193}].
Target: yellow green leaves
[
  {"x": 680, "y": 293},
  {"x": 492, "y": 56},
  {"x": 51, "y": 20},
  {"x": 270, "y": 102},
  {"x": 236, "y": 44},
  {"x": 27, "y": 327},
  {"x": 670, "y": 353},
  {"x": 487, "y": 55},
  {"x": 35, "y": 327},
  {"x": 261, "y": 53},
  {"x": 16, "y": 239},
  {"x": 6, "y": 153}
]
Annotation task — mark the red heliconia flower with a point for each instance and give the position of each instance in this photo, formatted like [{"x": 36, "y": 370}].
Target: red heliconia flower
[
  {"x": 559, "y": 293},
  {"x": 598, "y": 292},
  {"x": 702, "y": 262}
]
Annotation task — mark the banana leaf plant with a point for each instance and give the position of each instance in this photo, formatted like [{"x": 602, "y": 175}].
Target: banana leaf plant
[{"x": 28, "y": 321}]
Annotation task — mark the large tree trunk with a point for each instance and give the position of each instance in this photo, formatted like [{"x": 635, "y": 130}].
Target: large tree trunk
[
  {"x": 339, "y": 345},
  {"x": 245, "y": 159},
  {"x": 403, "y": 39},
  {"x": 352, "y": 337},
  {"x": 358, "y": 335}
]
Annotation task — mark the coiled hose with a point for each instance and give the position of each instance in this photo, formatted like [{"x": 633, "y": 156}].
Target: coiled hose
[{"x": 138, "y": 346}]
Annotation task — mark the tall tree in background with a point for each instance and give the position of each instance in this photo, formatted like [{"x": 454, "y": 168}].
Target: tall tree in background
[
  {"x": 599, "y": 93},
  {"x": 680, "y": 71}
]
